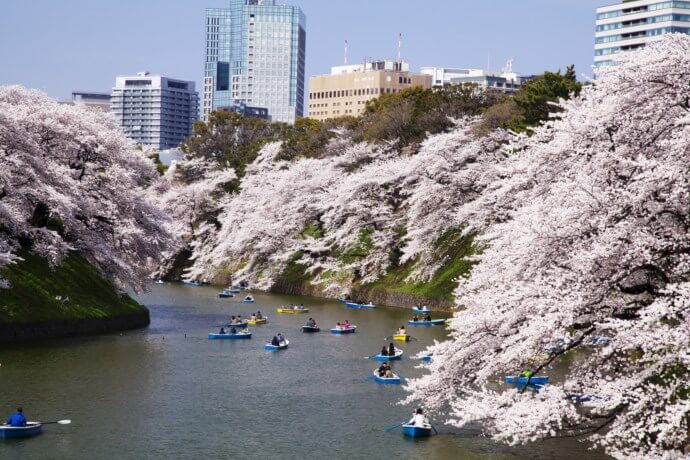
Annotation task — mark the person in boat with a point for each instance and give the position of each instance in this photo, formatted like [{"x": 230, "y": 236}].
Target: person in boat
[
  {"x": 391, "y": 349},
  {"x": 346, "y": 324},
  {"x": 245, "y": 330},
  {"x": 338, "y": 325},
  {"x": 301, "y": 307},
  {"x": 383, "y": 368},
  {"x": 232, "y": 319},
  {"x": 418, "y": 418},
  {"x": 254, "y": 317},
  {"x": 427, "y": 317},
  {"x": 415, "y": 318},
  {"x": 384, "y": 351},
  {"x": 222, "y": 331},
  {"x": 281, "y": 339},
  {"x": 401, "y": 331},
  {"x": 311, "y": 322},
  {"x": 259, "y": 315},
  {"x": 389, "y": 373},
  {"x": 233, "y": 330},
  {"x": 275, "y": 342},
  {"x": 17, "y": 419}
]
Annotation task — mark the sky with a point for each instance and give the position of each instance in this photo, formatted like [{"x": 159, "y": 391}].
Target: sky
[{"x": 63, "y": 45}]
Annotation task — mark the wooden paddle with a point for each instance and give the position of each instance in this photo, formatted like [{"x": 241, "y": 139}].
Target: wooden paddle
[{"x": 392, "y": 427}]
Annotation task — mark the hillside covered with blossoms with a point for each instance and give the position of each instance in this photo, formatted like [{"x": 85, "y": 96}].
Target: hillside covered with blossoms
[{"x": 563, "y": 239}]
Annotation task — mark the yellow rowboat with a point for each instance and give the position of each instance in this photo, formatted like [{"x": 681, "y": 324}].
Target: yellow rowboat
[
  {"x": 293, "y": 311},
  {"x": 257, "y": 322},
  {"x": 401, "y": 338}
]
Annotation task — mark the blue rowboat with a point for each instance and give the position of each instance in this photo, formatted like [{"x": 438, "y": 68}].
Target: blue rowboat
[
  {"x": 229, "y": 336},
  {"x": 391, "y": 381},
  {"x": 310, "y": 329},
  {"x": 248, "y": 299},
  {"x": 241, "y": 325},
  {"x": 341, "y": 331},
  {"x": 433, "y": 322},
  {"x": 426, "y": 359},
  {"x": 419, "y": 310},
  {"x": 12, "y": 432},
  {"x": 384, "y": 358},
  {"x": 191, "y": 283},
  {"x": 362, "y": 306},
  {"x": 414, "y": 431},
  {"x": 270, "y": 347},
  {"x": 523, "y": 380}
]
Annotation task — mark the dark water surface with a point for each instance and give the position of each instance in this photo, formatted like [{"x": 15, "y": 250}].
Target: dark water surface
[{"x": 168, "y": 392}]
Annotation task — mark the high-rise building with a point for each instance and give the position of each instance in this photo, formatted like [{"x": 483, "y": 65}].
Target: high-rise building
[
  {"x": 629, "y": 25},
  {"x": 347, "y": 89},
  {"x": 505, "y": 81},
  {"x": 255, "y": 55},
  {"x": 155, "y": 110}
]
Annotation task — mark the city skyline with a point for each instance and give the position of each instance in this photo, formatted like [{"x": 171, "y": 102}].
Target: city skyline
[{"x": 171, "y": 40}]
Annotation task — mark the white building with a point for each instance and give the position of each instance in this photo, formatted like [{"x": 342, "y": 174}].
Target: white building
[
  {"x": 505, "y": 81},
  {"x": 155, "y": 110},
  {"x": 95, "y": 100},
  {"x": 632, "y": 24}
]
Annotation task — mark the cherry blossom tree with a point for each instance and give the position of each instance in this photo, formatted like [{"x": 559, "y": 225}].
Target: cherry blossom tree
[
  {"x": 585, "y": 272},
  {"x": 71, "y": 181}
]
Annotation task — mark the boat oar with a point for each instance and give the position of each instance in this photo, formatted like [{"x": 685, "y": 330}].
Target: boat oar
[
  {"x": 392, "y": 427},
  {"x": 59, "y": 422},
  {"x": 434, "y": 428}
]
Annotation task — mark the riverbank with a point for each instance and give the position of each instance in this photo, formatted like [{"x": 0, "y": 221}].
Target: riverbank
[{"x": 69, "y": 300}]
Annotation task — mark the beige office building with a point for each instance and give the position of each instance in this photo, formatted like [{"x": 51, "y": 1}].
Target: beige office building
[{"x": 347, "y": 89}]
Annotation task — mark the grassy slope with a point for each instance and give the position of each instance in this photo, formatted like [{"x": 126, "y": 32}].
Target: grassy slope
[
  {"x": 35, "y": 285},
  {"x": 453, "y": 249}
]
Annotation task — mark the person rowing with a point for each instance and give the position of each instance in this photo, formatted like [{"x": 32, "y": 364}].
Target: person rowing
[
  {"x": 275, "y": 341},
  {"x": 346, "y": 324},
  {"x": 391, "y": 349},
  {"x": 415, "y": 318},
  {"x": 259, "y": 315},
  {"x": 254, "y": 317},
  {"x": 401, "y": 331},
  {"x": 383, "y": 368},
  {"x": 281, "y": 339},
  {"x": 311, "y": 322},
  {"x": 17, "y": 419},
  {"x": 384, "y": 351},
  {"x": 427, "y": 317},
  {"x": 418, "y": 419}
]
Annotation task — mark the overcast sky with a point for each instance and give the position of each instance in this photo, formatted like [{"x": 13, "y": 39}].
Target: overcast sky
[{"x": 64, "y": 45}]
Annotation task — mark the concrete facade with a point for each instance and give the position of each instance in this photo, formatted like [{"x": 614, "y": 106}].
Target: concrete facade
[
  {"x": 347, "y": 89},
  {"x": 505, "y": 81},
  {"x": 154, "y": 110},
  {"x": 632, "y": 24}
]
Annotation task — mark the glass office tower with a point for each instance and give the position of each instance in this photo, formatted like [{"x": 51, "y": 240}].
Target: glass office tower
[{"x": 255, "y": 55}]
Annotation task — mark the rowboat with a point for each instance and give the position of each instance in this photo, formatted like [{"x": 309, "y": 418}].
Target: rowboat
[
  {"x": 392, "y": 380},
  {"x": 225, "y": 294},
  {"x": 248, "y": 299},
  {"x": 420, "y": 310},
  {"x": 160, "y": 282},
  {"x": 241, "y": 325},
  {"x": 523, "y": 380},
  {"x": 191, "y": 283},
  {"x": 258, "y": 322},
  {"x": 401, "y": 337},
  {"x": 228, "y": 336},
  {"x": 416, "y": 431},
  {"x": 398, "y": 355},
  {"x": 359, "y": 305},
  {"x": 283, "y": 346},
  {"x": 12, "y": 432},
  {"x": 433, "y": 322},
  {"x": 426, "y": 359},
  {"x": 344, "y": 330},
  {"x": 310, "y": 329},
  {"x": 294, "y": 311}
]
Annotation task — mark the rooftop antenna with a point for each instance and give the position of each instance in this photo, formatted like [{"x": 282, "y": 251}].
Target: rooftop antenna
[
  {"x": 509, "y": 65},
  {"x": 346, "y": 50},
  {"x": 399, "y": 47}
]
